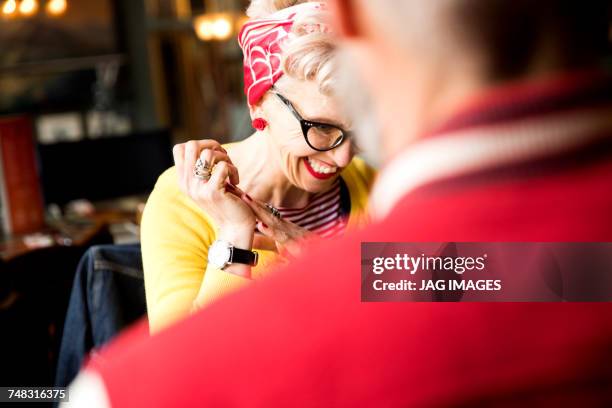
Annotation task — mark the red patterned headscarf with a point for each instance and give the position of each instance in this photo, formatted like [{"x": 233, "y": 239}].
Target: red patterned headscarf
[{"x": 261, "y": 40}]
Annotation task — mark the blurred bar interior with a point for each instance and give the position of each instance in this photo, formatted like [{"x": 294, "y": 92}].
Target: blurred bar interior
[{"x": 93, "y": 93}]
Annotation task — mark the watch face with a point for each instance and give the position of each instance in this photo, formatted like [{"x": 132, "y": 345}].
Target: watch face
[{"x": 219, "y": 254}]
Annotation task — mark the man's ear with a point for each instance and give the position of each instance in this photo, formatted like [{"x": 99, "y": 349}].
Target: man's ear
[{"x": 344, "y": 18}]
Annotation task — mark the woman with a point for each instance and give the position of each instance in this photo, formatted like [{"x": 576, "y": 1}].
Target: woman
[{"x": 295, "y": 177}]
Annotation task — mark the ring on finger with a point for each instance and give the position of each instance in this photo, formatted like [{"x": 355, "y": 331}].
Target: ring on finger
[
  {"x": 204, "y": 165},
  {"x": 273, "y": 210},
  {"x": 202, "y": 170},
  {"x": 202, "y": 175}
]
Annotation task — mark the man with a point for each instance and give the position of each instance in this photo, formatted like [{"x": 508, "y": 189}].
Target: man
[{"x": 496, "y": 120}]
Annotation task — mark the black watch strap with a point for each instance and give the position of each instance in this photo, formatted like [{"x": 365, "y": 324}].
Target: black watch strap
[{"x": 243, "y": 256}]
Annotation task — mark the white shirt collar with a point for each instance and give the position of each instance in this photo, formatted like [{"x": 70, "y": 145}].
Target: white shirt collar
[{"x": 482, "y": 147}]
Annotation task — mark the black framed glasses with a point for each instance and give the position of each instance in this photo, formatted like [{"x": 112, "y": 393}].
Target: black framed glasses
[{"x": 319, "y": 136}]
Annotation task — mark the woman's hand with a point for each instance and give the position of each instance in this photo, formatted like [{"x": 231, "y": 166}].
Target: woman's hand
[
  {"x": 220, "y": 199},
  {"x": 287, "y": 235}
]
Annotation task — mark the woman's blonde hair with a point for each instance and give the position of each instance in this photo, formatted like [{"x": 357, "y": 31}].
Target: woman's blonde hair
[{"x": 309, "y": 53}]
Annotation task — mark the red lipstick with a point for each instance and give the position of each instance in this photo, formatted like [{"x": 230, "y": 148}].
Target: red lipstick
[{"x": 319, "y": 176}]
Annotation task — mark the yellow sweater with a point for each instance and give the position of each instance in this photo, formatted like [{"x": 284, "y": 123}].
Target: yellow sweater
[{"x": 176, "y": 235}]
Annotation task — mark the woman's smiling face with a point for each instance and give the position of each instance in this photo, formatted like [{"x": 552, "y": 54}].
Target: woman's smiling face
[{"x": 306, "y": 168}]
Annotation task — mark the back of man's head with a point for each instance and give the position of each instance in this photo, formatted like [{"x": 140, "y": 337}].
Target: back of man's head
[
  {"x": 420, "y": 61},
  {"x": 511, "y": 37},
  {"x": 518, "y": 35}
]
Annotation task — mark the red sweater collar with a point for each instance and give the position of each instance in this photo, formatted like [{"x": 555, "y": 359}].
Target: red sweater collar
[
  {"x": 505, "y": 127},
  {"x": 519, "y": 100}
]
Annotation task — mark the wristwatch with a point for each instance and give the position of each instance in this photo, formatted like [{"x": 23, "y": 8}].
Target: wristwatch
[{"x": 222, "y": 254}]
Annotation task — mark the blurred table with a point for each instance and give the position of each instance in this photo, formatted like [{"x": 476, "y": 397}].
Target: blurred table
[
  {"x": 69, "y": 233},
  {"x": 77, "y": 231}
]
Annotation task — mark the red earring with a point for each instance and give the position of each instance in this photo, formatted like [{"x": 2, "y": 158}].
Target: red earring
[{"x": 259, "y": 123}]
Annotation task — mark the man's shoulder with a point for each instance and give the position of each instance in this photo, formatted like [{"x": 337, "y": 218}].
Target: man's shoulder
[{"x": 565, "y": 205}]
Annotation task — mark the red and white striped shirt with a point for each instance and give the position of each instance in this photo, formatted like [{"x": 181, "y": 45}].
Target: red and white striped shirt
[{"x": 323, "y": 215}]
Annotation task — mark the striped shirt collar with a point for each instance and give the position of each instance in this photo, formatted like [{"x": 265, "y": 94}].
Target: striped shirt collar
[{"x": 322, "y": 215}]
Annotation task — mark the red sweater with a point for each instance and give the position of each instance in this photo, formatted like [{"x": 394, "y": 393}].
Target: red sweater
[{"x": 303, "y": 338}]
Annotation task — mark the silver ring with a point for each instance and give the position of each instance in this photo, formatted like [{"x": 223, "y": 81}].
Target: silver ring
[
  {"x": 273, "y": 210},
  {"x": 199, "y": 164},
  {"x": 202, "y": 170}
]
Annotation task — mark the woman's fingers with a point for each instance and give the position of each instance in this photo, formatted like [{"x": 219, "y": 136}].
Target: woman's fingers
[
  {"x": 215, "y": 157},
  {"x": 284, "y": 232},
  {"x": 220, "y": 173},
  {"x": 186, "y": 155},
  {"x": 217, "y": 194},
  {"x": 200, "y": 145},
  {"x": 278, "y": 229},
  {"x": 282, "y": 240},
  {"x": 192, "y": 152},
  {"x": 277, "y": 233},
  {"x": 261, "y": 211},
  {"x": 179, "y": 151},
  {"x": 265, "y": 217},
  {"x": 211, "y": 157},
  {"x": 265, "y": 230}
]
